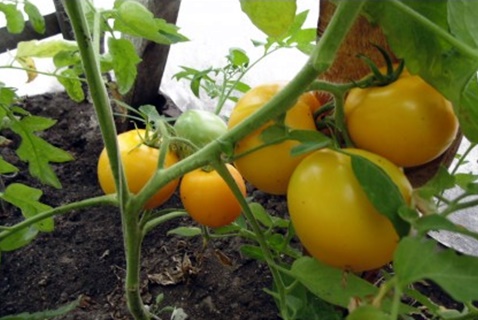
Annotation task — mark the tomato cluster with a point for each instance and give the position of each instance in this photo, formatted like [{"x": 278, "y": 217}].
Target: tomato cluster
[
  {"x": 405, "y": 123},
  {"x": 203, "y": 192}
]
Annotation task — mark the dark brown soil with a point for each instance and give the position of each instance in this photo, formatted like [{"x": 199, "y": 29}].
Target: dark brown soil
[{"x": 84, "y": 255}]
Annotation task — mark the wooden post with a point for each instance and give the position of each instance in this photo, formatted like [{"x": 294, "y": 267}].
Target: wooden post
[
  {"x": 348, "y": 67},
  {"x": 154, "y": 57}
]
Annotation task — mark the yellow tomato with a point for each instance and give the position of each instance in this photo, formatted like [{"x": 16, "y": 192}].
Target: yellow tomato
[
  {"x": 268, "y": 168},
  {"x": 332, "y": 216},
  {"x": 208, "y": 199},
  {"x": 407, "y": 121},
  {"x": 140, "y": 163}
]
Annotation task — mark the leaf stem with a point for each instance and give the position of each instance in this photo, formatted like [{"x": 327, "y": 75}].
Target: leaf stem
[{"x": 83, "y": 204}]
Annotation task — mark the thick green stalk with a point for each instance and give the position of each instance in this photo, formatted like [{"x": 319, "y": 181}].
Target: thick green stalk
[
  {"x": 96, "y": 86},
  {"x": 133, "y": 238},
  {"x": 132, "y": 234}
]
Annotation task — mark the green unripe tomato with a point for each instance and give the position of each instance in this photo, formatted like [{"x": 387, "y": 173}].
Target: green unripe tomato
[{"x": 199, "y": 126}]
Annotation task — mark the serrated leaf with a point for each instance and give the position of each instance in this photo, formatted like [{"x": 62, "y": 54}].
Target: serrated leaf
[
  {"x": 185, "y": 231},
  {"x": 135, "y": 19},
  {"x": 26, "y": 198},
  {"x": 274, "y": 18},
  {"x": 381, "y": 192},
  {"x": 38, "y": 152},
  {"x": 44, "y": 49},
  {"x": 417, "y": 259},
  {"x": 14, "y": 17},
  {"x": 124, "y": 62},
  {"x": 6, "y": 167},
  {"x": 35, "y": 17},
  {"x": 72, "y": 84}
]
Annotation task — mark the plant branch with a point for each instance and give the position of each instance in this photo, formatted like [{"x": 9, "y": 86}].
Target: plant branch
[{"x": 83, "y": 204}]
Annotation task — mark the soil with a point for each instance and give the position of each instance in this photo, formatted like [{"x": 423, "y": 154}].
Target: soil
[
  {"x": 84, "y": 258},
  {"x": 84, "y": 255}
]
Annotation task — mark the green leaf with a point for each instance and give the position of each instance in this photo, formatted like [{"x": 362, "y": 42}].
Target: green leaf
[
  {"x": 463, "y": 180},
  {"x": 238, "y": 57},
  {"x": 310, "y": 140},
  {"x": 253, "y": 252},
  {"x": 381, "y": 191},
  {"x": 36, "y": 151},
  {"x": 335, "y": 286},
  {"x": 6, "y": 167},
  {"x": 18, "y": 239},
  {"x": 447, "y": 65},
  {"x": 466, "y": 108},
  {"x": 35, "y": 17},
  {"x": 14, "y": 17},
  {"x": 274, "y": 18},
  {"x": 185, "y": 232},
  {"x": 261, "y": 214},
  {"x": 125, "y": 60},
  {"x": 26, "y": 198},
  {"x": 440, "y": 182},
  {"x": 419, "y": 259},
  {"x": 331, "y": 284},
  {"x": 367, "y": 312},
  {"x": 462, "y": 20},
  {"x": 135, "y": 19},
  {"x": 47, "y": 314},
  {"x": 275, "y": 133},
  {"x": 7, "y": 95},
  {"x": 72, "y": 84},
  {"x": 44, "y": 49},
  {"x": 66, "y": 58}
]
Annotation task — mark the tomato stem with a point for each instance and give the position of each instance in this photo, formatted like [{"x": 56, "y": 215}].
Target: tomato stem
[
  {"x": 98, "y": 92},
  {"x": 170, "y": 215},
  {"x": 221, "y": 168}
]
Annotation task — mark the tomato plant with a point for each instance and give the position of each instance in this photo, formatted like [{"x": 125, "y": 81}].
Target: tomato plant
[
  {"x": 208, "y": 199},
  {"x": 334, "y": 219},
  {"x": 140, "y": 162},
  {"x": 254, "y": 155},
  {"x": 407, "y": 121},
  {"x": 332, "y": 213}
]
